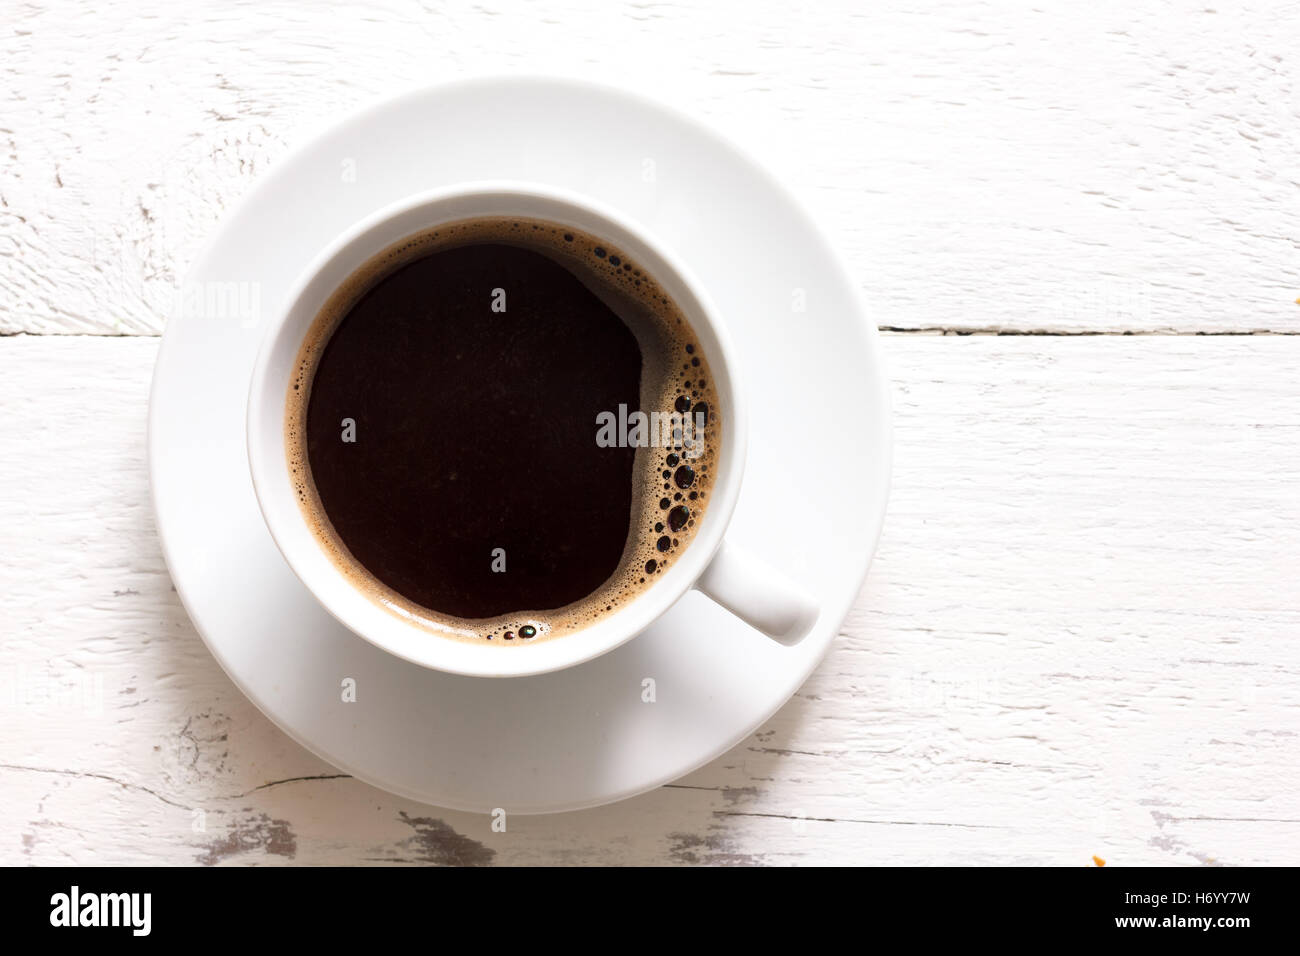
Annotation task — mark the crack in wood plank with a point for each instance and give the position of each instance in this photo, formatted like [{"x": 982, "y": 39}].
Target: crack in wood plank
[
  {"x": 888, "y": 823},
  {"x": 141, "y": 788}
]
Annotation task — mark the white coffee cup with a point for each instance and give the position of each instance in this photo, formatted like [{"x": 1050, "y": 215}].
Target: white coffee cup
[{"x": 738, "y": 581}]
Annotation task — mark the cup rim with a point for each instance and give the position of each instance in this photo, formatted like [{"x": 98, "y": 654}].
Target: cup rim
[{"x": 268, "y": 465}]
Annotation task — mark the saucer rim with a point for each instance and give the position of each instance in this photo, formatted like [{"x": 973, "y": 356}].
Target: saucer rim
[{"x": 873, "y": 359}]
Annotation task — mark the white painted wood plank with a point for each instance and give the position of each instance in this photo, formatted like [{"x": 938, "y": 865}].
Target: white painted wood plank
[
  {"x": 1078, "y": 638},
  {"x": 999, "y": 166}
]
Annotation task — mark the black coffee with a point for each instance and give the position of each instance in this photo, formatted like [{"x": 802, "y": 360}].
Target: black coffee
[{"x": 464, "y": 433}]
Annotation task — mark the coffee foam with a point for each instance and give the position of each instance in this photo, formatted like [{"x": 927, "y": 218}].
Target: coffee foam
[{"x": 675, "y": 375}]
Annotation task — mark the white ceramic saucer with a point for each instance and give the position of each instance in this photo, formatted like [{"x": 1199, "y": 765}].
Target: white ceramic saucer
[{"x": 812, "y": 503}]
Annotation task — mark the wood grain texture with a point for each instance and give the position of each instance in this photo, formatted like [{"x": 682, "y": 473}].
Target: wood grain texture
[
  {"x": 1078, "y": 638},
  {"x": 1079, "y": 634},
  {"x": 1111, "y": 166}
]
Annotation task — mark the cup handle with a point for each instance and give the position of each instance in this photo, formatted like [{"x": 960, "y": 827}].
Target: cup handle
[{"x": 759, "y": 595}]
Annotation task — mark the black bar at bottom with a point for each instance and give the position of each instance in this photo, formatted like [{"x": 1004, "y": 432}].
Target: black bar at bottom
[{"x": 305, "y": 904}]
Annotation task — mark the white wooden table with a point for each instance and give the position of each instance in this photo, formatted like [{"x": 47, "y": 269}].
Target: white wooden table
[{"x": 1081, "y": 635}]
